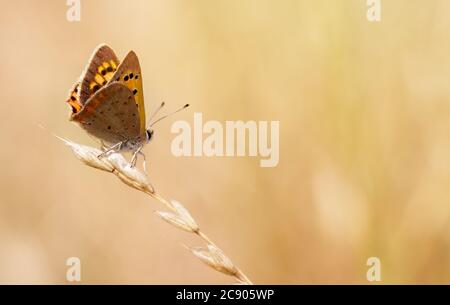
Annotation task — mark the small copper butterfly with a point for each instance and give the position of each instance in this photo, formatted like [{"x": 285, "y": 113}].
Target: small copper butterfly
[{"x": 108, "y": 102}]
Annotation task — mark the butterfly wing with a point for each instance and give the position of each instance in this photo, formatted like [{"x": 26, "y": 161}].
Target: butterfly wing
[
  {"x": 74, "y": 98},
  {"x": 129, "y": 74},
  {"x": 111, "y": 114},
  {"x": 100, "y": 69}
]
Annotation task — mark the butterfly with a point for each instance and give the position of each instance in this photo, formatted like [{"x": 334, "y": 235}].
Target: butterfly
[{"x": 108, "y": 102}]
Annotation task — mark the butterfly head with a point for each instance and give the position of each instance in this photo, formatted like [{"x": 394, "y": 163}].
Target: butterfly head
[{"x": 149, "y": 134}]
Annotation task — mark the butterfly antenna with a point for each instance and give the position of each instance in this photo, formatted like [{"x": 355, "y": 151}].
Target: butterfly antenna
[
  {"x": 157, "y": 110},
  {"x": 165, "y": 116}
]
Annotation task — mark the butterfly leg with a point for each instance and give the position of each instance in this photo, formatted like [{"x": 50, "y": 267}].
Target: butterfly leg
[
  {"x": 144, "y": 163},
  {"x": 117, "y": 147},
  {"x": 134, "y": 158}
]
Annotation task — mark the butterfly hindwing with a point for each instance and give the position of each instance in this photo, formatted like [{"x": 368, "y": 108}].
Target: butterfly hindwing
[
  {"x": 111, "y": 114},
  {"x": 129, "y": 74},
  {"x": 74, "y": 98},
  {"x": 100, "y": 69}
]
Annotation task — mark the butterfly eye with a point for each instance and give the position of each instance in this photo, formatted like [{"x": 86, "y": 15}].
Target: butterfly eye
[{"x": 149, "y": 134}]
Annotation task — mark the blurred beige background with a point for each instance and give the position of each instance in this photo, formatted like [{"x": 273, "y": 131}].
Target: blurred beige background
[{"x": 364, "y": 167}]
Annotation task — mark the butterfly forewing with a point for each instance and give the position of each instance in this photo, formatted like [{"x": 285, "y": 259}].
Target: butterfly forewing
[
  {"x": 100, "y": 69},
  {"x": 111, "y": 114},
  {"x": 129, "y": 74}
]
